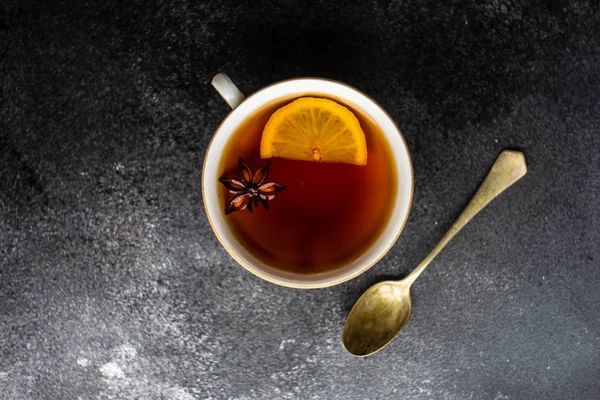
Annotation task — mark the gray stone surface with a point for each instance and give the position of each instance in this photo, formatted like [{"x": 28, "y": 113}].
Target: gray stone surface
[{"x": 112, "y": 285}]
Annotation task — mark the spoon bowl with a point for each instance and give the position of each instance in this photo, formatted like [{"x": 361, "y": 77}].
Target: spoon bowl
[{"x": 378, "y": 315}]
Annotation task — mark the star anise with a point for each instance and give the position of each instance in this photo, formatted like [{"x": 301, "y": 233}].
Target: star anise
[{"x": 250, "y": 188}]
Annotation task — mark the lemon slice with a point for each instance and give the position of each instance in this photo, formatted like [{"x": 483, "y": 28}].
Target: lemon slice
[{"x": 314, "y": 129}]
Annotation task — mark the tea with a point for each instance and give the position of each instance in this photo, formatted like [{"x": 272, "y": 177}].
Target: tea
[{"x": 328, "y": 214}]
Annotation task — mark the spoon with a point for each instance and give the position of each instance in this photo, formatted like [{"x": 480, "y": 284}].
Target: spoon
[{"x": 383, "y": 310}]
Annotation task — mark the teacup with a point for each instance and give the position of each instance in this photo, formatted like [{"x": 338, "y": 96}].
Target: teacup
[{"x": 243, "y": 109}]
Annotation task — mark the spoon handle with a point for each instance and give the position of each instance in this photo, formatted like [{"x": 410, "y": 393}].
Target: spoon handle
[{"x": 508, "y": 168}]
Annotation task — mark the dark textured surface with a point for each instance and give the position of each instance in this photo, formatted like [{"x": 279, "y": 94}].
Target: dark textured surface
[{"x": 112, "y": 285}]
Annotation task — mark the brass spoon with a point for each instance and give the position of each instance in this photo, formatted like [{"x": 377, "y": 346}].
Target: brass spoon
[{"x": 383, "y": 310}]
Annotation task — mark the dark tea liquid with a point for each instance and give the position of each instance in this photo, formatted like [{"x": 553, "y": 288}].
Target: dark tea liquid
[{"x": 329, "y": 214}]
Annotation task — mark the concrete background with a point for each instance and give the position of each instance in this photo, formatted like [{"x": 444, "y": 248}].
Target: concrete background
[{"x": 112, "y": 285}]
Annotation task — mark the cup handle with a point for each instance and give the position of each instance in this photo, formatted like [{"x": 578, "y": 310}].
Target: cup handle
[{"x": 227, "y": 89}]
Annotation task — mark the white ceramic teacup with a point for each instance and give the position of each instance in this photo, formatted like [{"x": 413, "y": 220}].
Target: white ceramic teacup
[{"x": 243, "y": 108}]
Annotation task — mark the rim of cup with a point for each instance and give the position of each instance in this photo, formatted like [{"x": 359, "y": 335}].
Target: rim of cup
[{"x": 291, "y": 89}]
